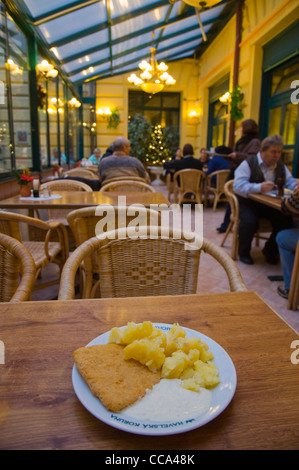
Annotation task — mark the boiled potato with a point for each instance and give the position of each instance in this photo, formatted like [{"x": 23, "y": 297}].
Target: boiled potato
[
  {"x": 147, "y": 352},
  {"x": 172, "y": 353}
]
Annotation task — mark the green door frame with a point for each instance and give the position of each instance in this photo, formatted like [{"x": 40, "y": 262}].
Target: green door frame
[{"x": 268, "y": 103}]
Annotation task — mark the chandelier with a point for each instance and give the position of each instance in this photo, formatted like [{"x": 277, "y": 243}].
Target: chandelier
[
  {"x": 154, "y": 76},
  {"x": 47, "y": 70}
]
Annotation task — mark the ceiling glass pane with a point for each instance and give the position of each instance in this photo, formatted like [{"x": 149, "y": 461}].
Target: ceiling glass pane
[
  {"x": 74, "y": 22},
  {"x": 181, "y": 25},
  {"x": 41, "y": 7},
  {"x": 179, "y": 49},
  {"x": 81, "y": 45},
  {"x": 86, "y": 61},
  {"x": 121, "y": 7},
  {"x": 142, "y": 40},
  {"x": 212, "y": 13},
  {"x": 139, "y": 22}
]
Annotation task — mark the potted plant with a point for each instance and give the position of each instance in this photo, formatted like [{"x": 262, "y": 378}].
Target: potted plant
[
  {"x": 24, "y": 181},
  {"x": 235, "y": 104},
  {"x": 113, "y": 119}
]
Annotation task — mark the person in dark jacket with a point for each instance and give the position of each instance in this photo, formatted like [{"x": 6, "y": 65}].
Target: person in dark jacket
[
  {"x": 219, "y": 161},
  {"x": 187, "y": 161}
]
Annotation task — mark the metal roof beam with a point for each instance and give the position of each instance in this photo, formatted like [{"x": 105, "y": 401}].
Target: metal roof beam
[
  {"x": 136, "y": 49},
  {"x": 102, "y": 26},
  {"x": 136, "y": 34}
]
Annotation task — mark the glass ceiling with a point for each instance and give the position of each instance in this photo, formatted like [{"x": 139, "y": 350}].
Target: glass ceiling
[{"x": 94, "y": 39}]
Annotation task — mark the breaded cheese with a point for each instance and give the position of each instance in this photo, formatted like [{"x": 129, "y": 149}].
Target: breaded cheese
[{"x": 117, "y": 382}]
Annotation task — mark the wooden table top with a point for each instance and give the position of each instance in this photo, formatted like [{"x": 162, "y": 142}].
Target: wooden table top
[
  {"x": 270, "y": 201},
  {"x": 77, "y": 199},
  {"x": 39, "y": 408}
]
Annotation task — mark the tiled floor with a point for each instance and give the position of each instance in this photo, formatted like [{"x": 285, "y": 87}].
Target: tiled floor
[{"x": 212, "y": 277}]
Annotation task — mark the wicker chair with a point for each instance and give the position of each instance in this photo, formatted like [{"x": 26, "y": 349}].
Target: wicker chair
[
  {"x": 65, "y": 185},
  {"x": 293, "y": 299},
  {"x": 85, "y": 223},
  {"x": 123, "y": 178},
  {"x": 264, "y": 226},
  {"x": 218, "y": 190},
  {"x": 83, "y": 173},
  {"x": 170, "y": 186},
  {"x": 127, "y": 185},
  {"x": 17, "y": 271},
  {"x": 188, "y": 182},
  {"x": 43, "y": 252},
  {"x": 143, "y": 266},
  {"x": 60, "y": 215}
]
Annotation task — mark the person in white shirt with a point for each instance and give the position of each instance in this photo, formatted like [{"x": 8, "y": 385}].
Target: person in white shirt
[{"x": 260, "y": 174}]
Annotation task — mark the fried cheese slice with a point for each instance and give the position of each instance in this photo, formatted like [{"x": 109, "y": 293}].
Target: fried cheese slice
[{"x": 117, "y": 382}]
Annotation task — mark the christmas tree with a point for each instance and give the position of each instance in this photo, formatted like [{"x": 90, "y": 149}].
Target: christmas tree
[{"x": 157, "y": 153}]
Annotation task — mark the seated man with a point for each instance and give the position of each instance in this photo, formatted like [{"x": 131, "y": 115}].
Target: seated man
[
  {"x": 120, "y": 163},
  {"x": 187, "y": 161},
  {"x": 259, "y": 174}
]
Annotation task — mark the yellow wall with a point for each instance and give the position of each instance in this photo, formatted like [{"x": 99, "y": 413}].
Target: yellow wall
[
  {"x": 113, "y": 92},
  {"x": 262, "y": 21}
]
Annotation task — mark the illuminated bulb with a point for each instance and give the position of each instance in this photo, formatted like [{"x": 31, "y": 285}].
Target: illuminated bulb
[
  {"x": 165, "y": 76},
  {"x": 144, "y": 65},
  {"x": 170, "y": 81},
  {"x": 146, "y": 75},
  {"x": 162, "y": 67},
  {"x": 52, "y": 73}
]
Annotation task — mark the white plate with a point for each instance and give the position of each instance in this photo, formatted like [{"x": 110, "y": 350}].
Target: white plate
[{"x": 221, "y": 395}]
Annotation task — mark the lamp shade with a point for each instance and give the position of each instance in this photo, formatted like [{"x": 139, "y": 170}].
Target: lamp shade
[{"x": 200, "y": 3}]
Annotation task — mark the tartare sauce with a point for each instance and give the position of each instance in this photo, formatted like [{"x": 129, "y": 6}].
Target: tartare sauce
[{"x": 168, "y": 401}]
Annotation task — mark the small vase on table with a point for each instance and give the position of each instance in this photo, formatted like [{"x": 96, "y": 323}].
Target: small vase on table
[{"x": 25, "y": 190}]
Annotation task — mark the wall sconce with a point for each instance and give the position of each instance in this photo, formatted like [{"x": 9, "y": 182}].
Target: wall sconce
[
  {"x": 56, "y": 105},
  {"x": 47, "y": 70},
  {"x": 14, "y": 68},
  {"x": 193, "y": 113},
  {"x": 104, "y": 112},
  {"x": 225, "y": 98},
  {"x": 74, "y": 103}
]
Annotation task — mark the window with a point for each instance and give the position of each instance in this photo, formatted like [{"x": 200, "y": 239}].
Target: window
[
  {"x": 218, "y": 114},
  {"x": 15, "y": 127},
  {"x": 281, "y": 115},
  {"x": 162, "y": 108}
]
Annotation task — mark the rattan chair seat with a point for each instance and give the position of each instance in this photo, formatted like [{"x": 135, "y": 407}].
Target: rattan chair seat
[
  {"x": 264, "y": 224},
  {"x": 37, "y": 251},
  {"x": 142, "y": 266},
  {"x": 293, "y": 299},
  {"x": 217, "y": 191},
  {"x": 128, "y": 185},
  {"x": 17, "y": 271},
  {"x": 186, "y": 183},
  {"x": 53, "y": 248}
]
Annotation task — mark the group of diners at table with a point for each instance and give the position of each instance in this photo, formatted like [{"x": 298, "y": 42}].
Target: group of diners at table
[
  {"x": 256, "y": 168},
  {"x": 32, "y": 419}
]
